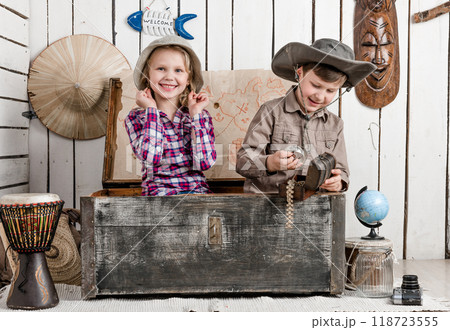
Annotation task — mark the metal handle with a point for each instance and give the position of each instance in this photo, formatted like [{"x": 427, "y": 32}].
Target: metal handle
[{"x": 215, "y": 230}]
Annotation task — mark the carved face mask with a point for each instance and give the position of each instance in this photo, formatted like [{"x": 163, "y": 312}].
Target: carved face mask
[
  {"x": 378, "y": 46},
  {"x": 376, "y": 40}
]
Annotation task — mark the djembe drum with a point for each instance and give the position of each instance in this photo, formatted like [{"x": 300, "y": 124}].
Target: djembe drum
[{"x": 30, "y": 222}]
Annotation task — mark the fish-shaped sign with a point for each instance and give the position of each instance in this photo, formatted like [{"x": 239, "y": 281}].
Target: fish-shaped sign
[{"x": 160, "y": 23}]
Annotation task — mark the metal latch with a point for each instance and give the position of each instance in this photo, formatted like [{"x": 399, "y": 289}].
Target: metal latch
[{"x": 215, "y": 230}]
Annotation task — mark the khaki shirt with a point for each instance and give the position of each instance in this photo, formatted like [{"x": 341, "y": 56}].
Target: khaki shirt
[{"x": 279, "y": 123}]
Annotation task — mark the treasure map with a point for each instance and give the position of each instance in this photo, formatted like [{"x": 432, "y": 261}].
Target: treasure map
[{"x": 234, "y": 98}]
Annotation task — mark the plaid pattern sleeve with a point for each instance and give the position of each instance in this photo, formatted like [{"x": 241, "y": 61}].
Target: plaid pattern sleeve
[
  {"x": 203, "y": 150},
  {"x": 146, "y": 134}
]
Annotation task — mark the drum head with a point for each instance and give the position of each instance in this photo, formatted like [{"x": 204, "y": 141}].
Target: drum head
[{"x": 32, "y": 198}]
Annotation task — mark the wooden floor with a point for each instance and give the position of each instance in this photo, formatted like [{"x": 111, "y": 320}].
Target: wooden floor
[{"x": 434, "y": 275}]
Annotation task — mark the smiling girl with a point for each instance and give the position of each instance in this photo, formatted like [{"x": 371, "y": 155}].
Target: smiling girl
[{"x": 171, "y": 132}]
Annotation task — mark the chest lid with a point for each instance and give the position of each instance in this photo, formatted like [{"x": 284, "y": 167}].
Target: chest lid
[{"x": 234, "y": 98}]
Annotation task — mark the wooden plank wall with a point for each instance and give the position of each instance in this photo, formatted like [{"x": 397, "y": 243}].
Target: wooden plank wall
[
  {"x": 427, "y": 138},
  {"x": 14, "y": 128},
  {"x": 401, "y": 149}
]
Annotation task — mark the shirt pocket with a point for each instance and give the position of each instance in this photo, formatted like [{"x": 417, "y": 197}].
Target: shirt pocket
[
  {"x": 326, "y": 140},
  {"x": 283, "y": 139},
  {"x": 283, "y": 134},
  {"x": 292, "y": 138}
]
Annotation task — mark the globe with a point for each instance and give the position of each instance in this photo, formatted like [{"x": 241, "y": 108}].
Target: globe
[{"x": 371, "y": 207}]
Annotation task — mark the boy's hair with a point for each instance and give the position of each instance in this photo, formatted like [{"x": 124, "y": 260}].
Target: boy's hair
[
  {"x": 325, "y": 72},
  {"x": 188, "y": 65}
]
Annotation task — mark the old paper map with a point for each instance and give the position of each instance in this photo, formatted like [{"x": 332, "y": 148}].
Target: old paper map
[{"x": 235, "y": 97}]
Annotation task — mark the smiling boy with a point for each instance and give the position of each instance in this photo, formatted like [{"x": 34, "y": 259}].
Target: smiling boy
[{"x": 300, "y": 117}]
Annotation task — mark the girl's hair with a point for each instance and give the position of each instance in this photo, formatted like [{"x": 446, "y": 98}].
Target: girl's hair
[
  {"x": 326, "y": 72},
  {"x": 188, "y": 65}
]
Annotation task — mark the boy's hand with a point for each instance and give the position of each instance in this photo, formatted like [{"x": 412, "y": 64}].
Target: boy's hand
[
  {"x": 281, "y": 161},
  {"x": 197, "y": 102},
  {"x": 144, "y": 99},
  {"x": 334, "y": 183}
]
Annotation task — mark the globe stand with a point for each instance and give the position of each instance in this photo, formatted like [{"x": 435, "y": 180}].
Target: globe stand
[{"x": 372, "y": 235}]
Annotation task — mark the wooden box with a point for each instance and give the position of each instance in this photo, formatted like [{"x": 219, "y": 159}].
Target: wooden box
[{"x": 206, "y": 244}]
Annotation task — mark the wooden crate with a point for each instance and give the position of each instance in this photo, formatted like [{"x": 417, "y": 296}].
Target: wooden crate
[
  {"x": 227, "y": 242},
  {"x": 203, "y": 244}
]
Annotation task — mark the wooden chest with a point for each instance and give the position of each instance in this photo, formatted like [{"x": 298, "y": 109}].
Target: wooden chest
[
  {"x": 233, "y": 243},
  {"x": 227, "y": 242}
]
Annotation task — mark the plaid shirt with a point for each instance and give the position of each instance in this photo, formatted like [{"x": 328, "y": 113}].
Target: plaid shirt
[{"x": 171, "y": 161}]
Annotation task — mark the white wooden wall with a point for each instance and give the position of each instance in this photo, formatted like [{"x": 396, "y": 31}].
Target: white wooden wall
[
  {"x": 14, "y": 63},
  {"x": 407, "y": 160}
]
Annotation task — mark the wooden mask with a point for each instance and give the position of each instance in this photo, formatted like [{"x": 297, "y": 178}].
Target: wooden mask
[{"x": 376, "y": 41}]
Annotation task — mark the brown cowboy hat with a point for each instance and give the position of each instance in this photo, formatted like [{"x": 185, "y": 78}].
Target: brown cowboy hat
[
  {"x": 165, "y": 41},
  {"x": 324, "y": 51}
]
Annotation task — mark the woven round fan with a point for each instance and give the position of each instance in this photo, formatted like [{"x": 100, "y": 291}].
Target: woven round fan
[{"x": 68, "y": 85}]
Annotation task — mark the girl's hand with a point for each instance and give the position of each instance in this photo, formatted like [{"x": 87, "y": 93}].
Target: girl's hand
[
  {"x": 281, "y": 161},
  {"x": 144, "y": 99},
  {"x": 197, "y": 102},
  {"x": 334, "y": 183}
]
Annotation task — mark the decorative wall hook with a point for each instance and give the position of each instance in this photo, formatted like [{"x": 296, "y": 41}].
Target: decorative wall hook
[{"x": 30, "y": 114}]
